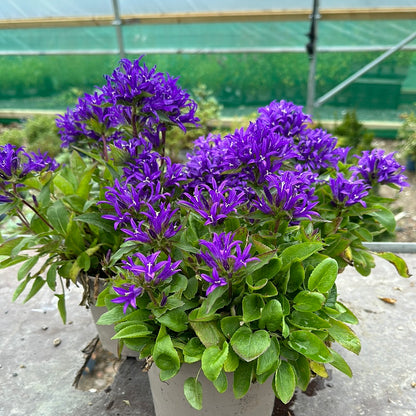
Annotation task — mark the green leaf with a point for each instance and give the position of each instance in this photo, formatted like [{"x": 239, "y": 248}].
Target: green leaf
[
  {"x": 193, "y": 392},
  {"x": 298, "y": 253},
  {"x": 20, "y": 288},
  {"x": 306, "y": 301},
  {"x": 232, "y": 361},
  {"x": 308, "y": 320},
  {"x": 178, "y": 283},
  {"x": 94, "y": 218},
  {"x": 397, "y": 262},
  {"x": 112, "y": 316},
  {"x": 344, "y": 336},
  {"x": 339, "y": 363},
  {"x": 84, "y": 186},
  {"x": 58, "y": 217},
  {"x": 84, "y": 261},
  {"x": 176, "y": 320},
  {"x": 269, "y": 361},
  {"x": 284, "y": 382},
  {"x": 250, "y": 345},
  {"x": 323, "y": 276},
  {"x": 11, "y": 261},
  {"x": 213, "y": 360},
  {"x": 61, "y": 306},
  {"x": 193, "y": 350},
  {"x": 221, "y": 383},
  {"x": 191, "y": 288},
  {"x": 243, "y": 376},
  {"x": 214, "y": 301},
  {"x": 64, "y": 185},
  {"x": 36, "y": 286},
  {"x": 309, "y": 345},
  {"x": 303, "y": 372},
  {"x": 385, "y": 217},
  {"x": 252, "y": 307},
  {"x": 230, "y": 324},
  {"x": 27, "y": 266},
  {"x": 269, "y": 270},
  {"x": 208, "y": 333},
  {"x": 271, "y": 316},
  {"x": 296, "y": 277},
  {"x": 133, "y": 331},
  {"x": 165, "y": 355}
]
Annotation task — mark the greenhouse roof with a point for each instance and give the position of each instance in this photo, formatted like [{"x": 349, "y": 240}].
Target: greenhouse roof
[
  {"x": 24, "y": 9},
  {"x": 186, "y": 26}
]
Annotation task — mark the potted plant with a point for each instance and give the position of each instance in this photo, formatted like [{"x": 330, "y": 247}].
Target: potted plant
[
  {"x": 223, "y": 267},
  {"x": 407, "y": 133},
  {"x": 52, "y": 223}
]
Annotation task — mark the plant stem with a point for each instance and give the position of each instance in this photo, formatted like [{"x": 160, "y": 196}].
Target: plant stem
[
  {"x": 133, "y": 121},
  {"x": 105, "y": 152},
  {"x": 37, "y": 213}
]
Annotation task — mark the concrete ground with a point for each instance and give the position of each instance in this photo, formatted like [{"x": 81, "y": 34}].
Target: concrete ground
[{"x": 37, "y": 374}]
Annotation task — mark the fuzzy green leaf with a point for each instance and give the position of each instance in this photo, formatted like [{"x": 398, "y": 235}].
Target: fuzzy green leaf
[
  {"x": 309, "y": 345},
  {"x": 213, "y": 360},
  {"x": 252, "y": 307},
  {"x": 193, "y": 392},
  {"x": 323, "y": 276},
  {"x": 284, "y": 382},
  {"x": 250, "y": 345}
]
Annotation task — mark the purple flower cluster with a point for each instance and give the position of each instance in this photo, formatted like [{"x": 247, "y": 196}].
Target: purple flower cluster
[
  {"x": 375, "y": 167},
  {"x": 213, "y": 202},
  {"x": 290, "y": 195},
  {"x": 276, "y": 169},
  {"x": 145, "y": 100},
  {"x": 15, "y": 162},
  {"x": 347, "y": 192},
  {"x": 224, "y": 256},
  {"x": 317, "y": 151},
  {"x": 150, "y": 271}
]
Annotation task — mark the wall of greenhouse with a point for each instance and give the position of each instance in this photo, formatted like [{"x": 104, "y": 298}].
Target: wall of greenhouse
[{"x": 246, "y": 54}]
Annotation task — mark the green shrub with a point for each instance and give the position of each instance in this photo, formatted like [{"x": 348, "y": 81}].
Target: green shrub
[
  {"x": 352, "y": 133},
  {"x": 36, "y": 133}
]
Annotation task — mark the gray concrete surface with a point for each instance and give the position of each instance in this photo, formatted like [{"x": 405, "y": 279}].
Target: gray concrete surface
[{"x": 36, "y": 376}]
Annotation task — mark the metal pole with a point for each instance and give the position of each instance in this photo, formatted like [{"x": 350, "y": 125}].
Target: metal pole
[
  {"x": 363, "y": 70},
  {"x": 311, "y": 50},
  {"x": 118, "y": 24}
]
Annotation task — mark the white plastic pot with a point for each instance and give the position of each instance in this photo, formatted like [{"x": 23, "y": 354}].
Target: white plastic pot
[{"x": 169, "y": 399}]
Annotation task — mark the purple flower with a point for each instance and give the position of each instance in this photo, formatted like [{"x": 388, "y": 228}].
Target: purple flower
[
  {"x": 91, "y": 110},
  {"x": 316, "y": 150},
  {"x": 158, "y": 225},
  {"x": 127, "y": 201},
  {"x": 215, "y": 202},
  {"x": 150, "y": 271},
  {"x": 375, "y": 167},
  {"x": 347, "y": 192},
  {"x": 225, "y": 252},
  {"x": 156, "y": 94},
  {"x": 14, "y": 161},
  {"x": 290, "y": 194},
  {"x": 214, "y": 281},
  {"x": 284, "y": 117},
  {"x": 129, "y": 294}
]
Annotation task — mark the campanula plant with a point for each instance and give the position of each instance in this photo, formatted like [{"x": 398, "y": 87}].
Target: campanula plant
[{"x": 230, "y": 258}]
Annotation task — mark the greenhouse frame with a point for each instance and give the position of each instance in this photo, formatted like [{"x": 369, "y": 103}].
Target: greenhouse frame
[{"x": 330, "y": 56}]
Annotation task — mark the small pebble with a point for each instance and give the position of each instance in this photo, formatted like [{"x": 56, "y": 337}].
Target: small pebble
[
  {"x": 22, "y": 366},
  {"x": 56, "y": 342},
  {"x": 15, "y": 374},
  {"x": 44, "y": 328},
  {"x": 92, "y": 390}
]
